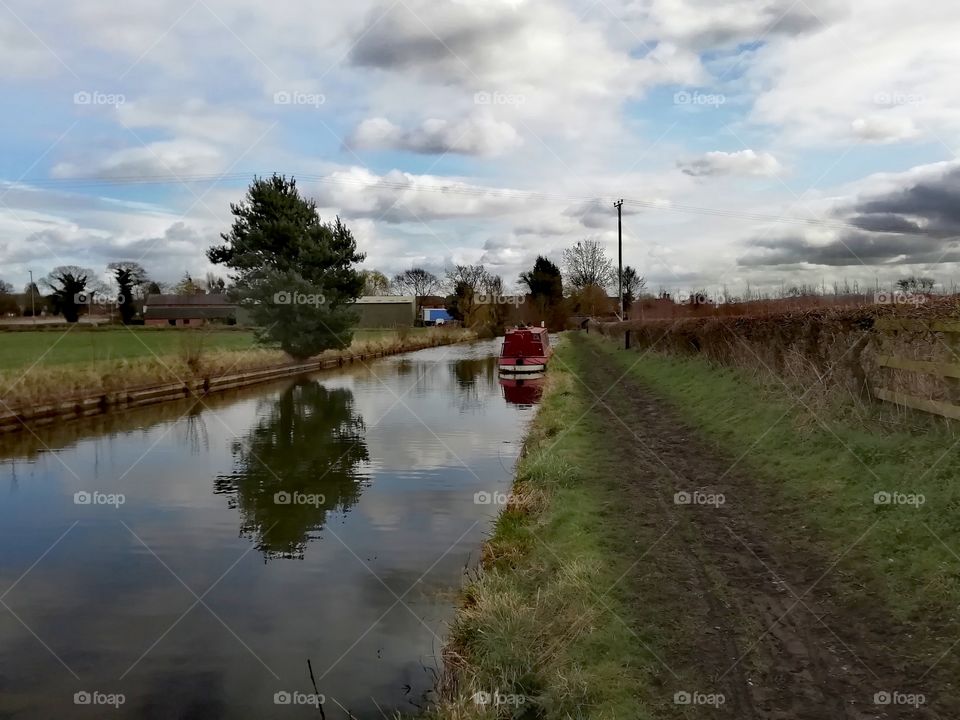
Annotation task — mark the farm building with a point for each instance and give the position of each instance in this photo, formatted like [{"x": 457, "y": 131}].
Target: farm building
[
  {"x": 181, "y": 310},
  {"x": 190, "y": 310},
  {"x": 386, "y": 310}
]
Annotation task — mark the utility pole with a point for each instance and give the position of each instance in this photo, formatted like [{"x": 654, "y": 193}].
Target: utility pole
[{"x": 619, "y": 206}]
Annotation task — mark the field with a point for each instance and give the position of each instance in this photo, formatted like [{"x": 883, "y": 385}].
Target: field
[
  {"x": 49, "y": 366},
  {"x": 85, "y": 346}
]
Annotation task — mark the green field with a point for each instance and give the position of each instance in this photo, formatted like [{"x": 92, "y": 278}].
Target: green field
[{"x": 83, "y": 346}]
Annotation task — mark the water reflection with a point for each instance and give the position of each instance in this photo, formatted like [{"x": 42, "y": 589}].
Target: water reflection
[
  {"x": 524, "y": 391},
  {"x": 399, "y": 448},
  {"x": 473, "y": 378},
  {"x": 193, "y": 430},
  {"x": 468, "y": 370},
  {"x": 300, "y": 461}
]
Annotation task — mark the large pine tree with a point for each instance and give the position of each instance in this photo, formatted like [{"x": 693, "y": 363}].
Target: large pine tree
[{"x": 295, "y": 273}]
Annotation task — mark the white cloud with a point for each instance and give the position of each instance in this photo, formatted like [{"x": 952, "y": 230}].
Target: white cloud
[
  {"x": 554, "y": 97},
  {"x": 21, "y": 53},
  {"x": 164, "y": 158},
  {"x": 567, "y": 74},
  {"x": 400, "y": 197},
  {"x": 509, "y": 252},
  {"x": 744, "y": 162},
  {"x": 476, "y": 45},
  {"x": 706, "y": 24},
  {"x": 886, "y": 70},
  {"x": 166, "y": 247},
  {"x": 469, "y": 136},
  {"x": 884, "y": 129},
  {"x": 192, "y": 118}
]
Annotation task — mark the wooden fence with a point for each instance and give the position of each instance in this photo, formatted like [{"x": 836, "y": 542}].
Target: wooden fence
[{"x": 948, "y": 371}]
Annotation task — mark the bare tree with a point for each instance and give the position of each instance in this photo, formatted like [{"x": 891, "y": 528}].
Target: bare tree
[
  {"x": 475, "y": 277},
  {"x": 587, "y": 264},
  {"x": 375, "y": 282},
  {"x": 188, "y": 286},
  {"x": 416, "y": 281},
  {"x": 916, "y": 284},
  {"x": 214, "y": 284},
  {"x": 470, "y": 284}
]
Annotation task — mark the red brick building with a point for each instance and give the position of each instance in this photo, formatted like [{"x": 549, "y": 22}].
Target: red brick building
[{"x": 188, "y": 310}]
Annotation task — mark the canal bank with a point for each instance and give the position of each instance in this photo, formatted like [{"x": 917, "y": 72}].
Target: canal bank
[
  {"x": 194, "y": 376},
  {"x": 652, "y": 565}
]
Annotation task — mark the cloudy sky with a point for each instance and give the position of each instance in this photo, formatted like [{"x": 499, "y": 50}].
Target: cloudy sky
[{"x": 761, "y": 141}]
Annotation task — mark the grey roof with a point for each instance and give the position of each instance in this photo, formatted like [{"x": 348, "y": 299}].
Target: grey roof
[
  {"x": 387, "y": 300},
  {"x": 158, "y": 301}
]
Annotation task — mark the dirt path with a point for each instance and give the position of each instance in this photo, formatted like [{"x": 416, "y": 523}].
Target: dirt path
[{"x": 761, "y": 610}]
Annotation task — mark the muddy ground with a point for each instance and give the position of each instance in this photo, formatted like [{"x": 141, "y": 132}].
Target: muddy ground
[{"x": 755, "y": 607}]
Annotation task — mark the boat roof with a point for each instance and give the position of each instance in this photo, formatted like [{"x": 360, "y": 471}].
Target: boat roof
[{"x": 537, "y": 330}]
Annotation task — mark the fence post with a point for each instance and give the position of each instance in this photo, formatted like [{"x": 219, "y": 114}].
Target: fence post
[{"x": 626, "y": 340}]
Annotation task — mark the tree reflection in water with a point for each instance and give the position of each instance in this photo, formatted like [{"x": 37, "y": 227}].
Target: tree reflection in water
[
  {"x": 472, "y": 377},
  {"x": 300, "y": 461}
]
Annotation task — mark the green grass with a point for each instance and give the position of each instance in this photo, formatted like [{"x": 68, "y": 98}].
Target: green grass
[
  {"x": 828, "y": 471},
  {"x": 83, "y": 346},
  {"x": 542, "y": 618},
  {"x": 554, "y": 615},
  {"x": 48, "y": 348}
]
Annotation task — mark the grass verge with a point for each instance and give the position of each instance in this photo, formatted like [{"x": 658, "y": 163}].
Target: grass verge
[
  {"x": 885, "y": 502},
  {"x": 542, "y": 626},
  {"x": 79, "y": 345},
  {"x": 178, "y": 356}
]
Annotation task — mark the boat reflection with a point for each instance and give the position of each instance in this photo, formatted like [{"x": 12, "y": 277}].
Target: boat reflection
[{"x": 525, "y": 390}]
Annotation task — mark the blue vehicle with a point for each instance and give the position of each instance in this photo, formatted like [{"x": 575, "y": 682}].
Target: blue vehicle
[{"x": 436, "y": 316}]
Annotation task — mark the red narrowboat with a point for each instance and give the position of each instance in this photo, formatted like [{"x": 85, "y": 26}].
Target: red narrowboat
[{"x": 525, "y": 350}]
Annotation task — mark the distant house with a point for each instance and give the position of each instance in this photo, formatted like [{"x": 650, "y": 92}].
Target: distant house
[{"x": 182, "y": 310}]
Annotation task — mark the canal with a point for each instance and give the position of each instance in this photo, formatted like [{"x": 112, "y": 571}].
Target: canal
[{"x": 202, "y": 559}]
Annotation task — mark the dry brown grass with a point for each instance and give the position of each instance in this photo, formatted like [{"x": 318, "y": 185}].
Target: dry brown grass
[
  {"x": 32, "y": 386},
  {"x": 828, "y": 356}
]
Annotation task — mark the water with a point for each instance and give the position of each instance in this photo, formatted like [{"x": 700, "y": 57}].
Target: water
[{"x": 188, "y": 559}]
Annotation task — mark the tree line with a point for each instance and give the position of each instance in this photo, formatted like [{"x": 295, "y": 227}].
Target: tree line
[
  {"x": 298, "y": 276},
  {"x": 583, "y": 286},
  {"x": 71, "y": 290}
]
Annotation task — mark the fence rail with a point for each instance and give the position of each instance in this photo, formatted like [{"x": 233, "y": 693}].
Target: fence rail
[{"x": 948, "y": 370}]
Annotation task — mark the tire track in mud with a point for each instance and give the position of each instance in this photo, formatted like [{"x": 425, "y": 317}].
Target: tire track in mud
[{"x": 764, "y": 622}]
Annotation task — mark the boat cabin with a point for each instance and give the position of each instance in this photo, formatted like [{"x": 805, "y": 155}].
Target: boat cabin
[{"x": 525, "y": 349}]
